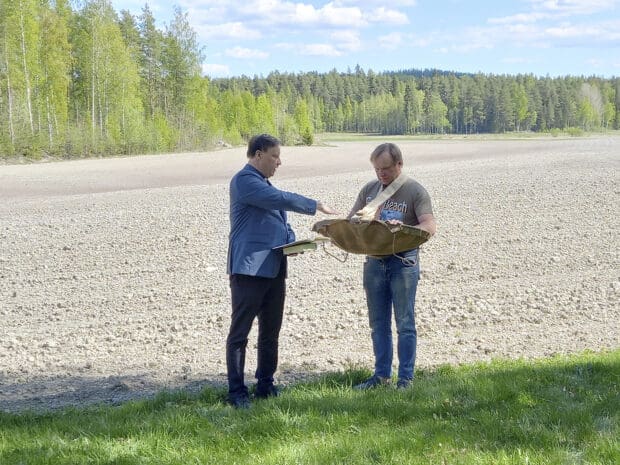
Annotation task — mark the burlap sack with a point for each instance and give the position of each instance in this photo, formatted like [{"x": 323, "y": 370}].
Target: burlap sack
[{"x": 371, "y": 237}]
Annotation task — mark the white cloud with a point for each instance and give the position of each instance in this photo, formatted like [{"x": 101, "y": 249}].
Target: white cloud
[
  {"x": 245, "y": 53},
  {"x": 549, "y": 10},
  {"x": 383, "y": 15},
  {"x": 304, "y": 14},
  {"x": 285, "y": 46},
  {"x": 392, "y": 3},
  {"x": 347, "y": 40},
  {"x": 215, "y": 70},
  {"x": 517, "y": 31},
  {"x": 337, "y": 16},
  {"x": 327, "y": 50},
  {"x": 566, "y": 31},
  {"x": 267, "y": 13},
  {"x": 234, "y": 30},
  {"x": 391, "y": 41},
  {"x": 476, "y": 39},
  {"x": 311, "y": 49},
  {"x": 341, "y": 42},
  {"x": 573, "y": 7},
  {"x": 561, "y": 34},
  {"x": 600, "y": 33},
  {"x": 549, "y": 26},
  {"x": 333, "y": 28},
  {"x": 519, "y": 18}
]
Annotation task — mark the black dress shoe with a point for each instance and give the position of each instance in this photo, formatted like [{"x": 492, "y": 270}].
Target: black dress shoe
[
  {"x": 240, "y": 402},
  {"x": 265, "y": 392}
]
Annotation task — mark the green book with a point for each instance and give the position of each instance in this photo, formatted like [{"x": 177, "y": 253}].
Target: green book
[{"x": 299, "y": 246}]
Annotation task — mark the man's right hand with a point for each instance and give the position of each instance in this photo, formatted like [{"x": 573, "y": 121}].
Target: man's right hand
[{"x": 325, "y": 209}]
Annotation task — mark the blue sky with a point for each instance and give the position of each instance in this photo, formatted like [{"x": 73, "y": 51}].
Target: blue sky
[{"x": 541, "y": 37}]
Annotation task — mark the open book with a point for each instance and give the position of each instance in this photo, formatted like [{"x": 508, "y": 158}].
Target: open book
[{"x": 301, "y": 245}]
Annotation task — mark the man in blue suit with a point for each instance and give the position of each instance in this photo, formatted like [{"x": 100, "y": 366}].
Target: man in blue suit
[{"x": 258, "y": 223}]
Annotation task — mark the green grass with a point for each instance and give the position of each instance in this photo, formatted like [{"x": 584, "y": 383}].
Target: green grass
[
  {"x": 564, "y": 410},
  {"x": 328, "y": 138}
]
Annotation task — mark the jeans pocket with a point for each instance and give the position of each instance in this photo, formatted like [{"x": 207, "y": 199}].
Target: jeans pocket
[{"x": 409, "y": 258}]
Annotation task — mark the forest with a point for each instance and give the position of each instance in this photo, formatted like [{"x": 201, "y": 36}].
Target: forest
[{"x": 90, "y": 81}]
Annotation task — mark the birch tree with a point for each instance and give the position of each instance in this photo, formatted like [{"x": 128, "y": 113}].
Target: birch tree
[
  {"x": 108, "y": 79},
  {"x": 55, "y": 61},
  {"x": 181, "y": 58},
  {"x": 19, "y": 70},
  {"x": 7, "y": 130},
  {"x": 151, "y": 67},
  {"x": 27, "y": 25}
]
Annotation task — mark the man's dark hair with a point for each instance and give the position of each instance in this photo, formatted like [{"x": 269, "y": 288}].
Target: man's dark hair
[{"x": 261, "y": 142}]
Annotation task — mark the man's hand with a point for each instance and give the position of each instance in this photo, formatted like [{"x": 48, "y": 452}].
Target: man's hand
[{"x": 325, "y": 209}]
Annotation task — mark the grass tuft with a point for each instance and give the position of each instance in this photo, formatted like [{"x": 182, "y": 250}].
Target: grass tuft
[{"x": 563, "y": 410}]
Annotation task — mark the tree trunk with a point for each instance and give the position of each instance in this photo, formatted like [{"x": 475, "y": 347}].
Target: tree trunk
[
  {"x": 92, "y": 88},
  {"x": 9, "y": 93},
  {"x": 49, "y": 122},
  {"x": 26, "y": 75}
]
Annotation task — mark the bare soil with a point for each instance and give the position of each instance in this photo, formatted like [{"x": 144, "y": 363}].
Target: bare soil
[{"x": 113, "y": 282}]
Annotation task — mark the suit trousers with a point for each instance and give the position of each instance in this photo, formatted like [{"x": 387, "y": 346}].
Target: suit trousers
[{"x": 254, "y": 297}]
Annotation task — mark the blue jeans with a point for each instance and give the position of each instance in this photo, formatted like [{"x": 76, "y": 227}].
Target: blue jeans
[{"x": 389, "y": 283}]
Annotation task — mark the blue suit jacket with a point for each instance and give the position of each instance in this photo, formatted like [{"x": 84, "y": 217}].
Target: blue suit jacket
[{"x": 258, "y": 223}]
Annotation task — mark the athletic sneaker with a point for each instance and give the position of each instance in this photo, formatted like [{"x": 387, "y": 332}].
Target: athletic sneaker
[{"x": 373, "y": 382}]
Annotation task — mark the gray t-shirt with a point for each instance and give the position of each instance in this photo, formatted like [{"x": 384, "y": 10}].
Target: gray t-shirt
[{"x": 407, "y": 203}]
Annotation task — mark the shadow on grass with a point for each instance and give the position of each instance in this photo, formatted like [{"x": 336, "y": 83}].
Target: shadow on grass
[
  {"x": 567, "y": 405},
  {"x": 44, "y": 395}
]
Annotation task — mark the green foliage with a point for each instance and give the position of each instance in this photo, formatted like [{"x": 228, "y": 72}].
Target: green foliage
[
  {"x": 88, "y": 81},
  {"x": 575, "y": 132},
  {"x": 302, "y": 122},
  {"x": 307, "y": 136},
  {"x": 555, "y": 411},
  {"x": 77, "y": 143},
  {"x": 289, "y": 132},
  {"x": 232, "y": 136},
  {"x": 163, "y": 134}
]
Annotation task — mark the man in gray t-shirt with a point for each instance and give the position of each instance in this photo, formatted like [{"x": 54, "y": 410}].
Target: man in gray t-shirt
[
  {"x": 405, "y": 206},
  {"x": 390, "y": 281}
]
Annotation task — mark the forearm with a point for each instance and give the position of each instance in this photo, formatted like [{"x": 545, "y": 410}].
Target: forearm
[{"x": 427, "y": 223}]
